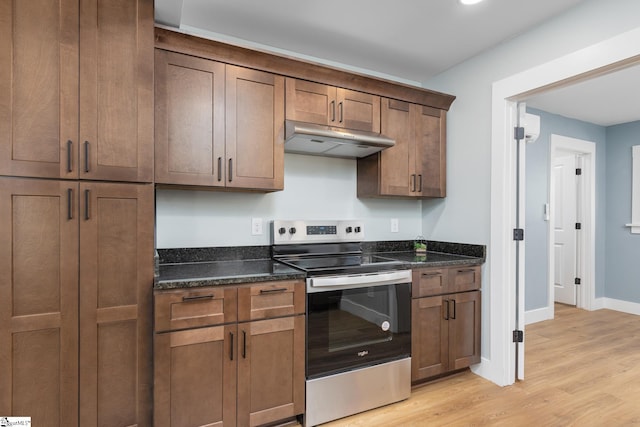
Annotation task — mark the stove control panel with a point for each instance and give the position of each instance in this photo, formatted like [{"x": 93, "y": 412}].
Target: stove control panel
[{"x": 319, "y": 231}]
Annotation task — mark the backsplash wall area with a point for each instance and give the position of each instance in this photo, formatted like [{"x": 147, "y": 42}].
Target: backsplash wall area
[{"x": 315, "y": 188}]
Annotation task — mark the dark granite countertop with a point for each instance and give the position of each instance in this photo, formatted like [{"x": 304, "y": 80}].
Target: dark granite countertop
[
  {"x": 196, "y": 267},
  {"x": 431, "y": 259},
  {"x": 215, "y": 273}
]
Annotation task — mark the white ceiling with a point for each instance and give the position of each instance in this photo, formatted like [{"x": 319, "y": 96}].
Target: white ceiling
[{"x": 410, "y": 40}]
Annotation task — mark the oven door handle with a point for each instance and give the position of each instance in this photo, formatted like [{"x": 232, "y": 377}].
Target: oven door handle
[{"x": 362, "y": 280}]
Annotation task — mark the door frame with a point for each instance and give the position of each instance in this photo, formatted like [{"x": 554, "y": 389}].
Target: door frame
[
  {"x": 612, "y": 54},
  {"x": 585, "y": 249}
]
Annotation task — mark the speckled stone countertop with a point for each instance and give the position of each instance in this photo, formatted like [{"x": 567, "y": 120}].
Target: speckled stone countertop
[
  {"x": 196, "y": 267},
  {"x": 214, "y": 273}
]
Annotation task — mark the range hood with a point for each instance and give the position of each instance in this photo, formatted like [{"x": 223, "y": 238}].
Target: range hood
[{"x": 316, "y": 140}]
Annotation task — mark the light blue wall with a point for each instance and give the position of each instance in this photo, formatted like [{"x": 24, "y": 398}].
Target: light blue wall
[
  {"x": 537, "y": 194},
  {"x": 315, "y": 188},
  {"x": 622, "y": 247},
  {"x": 465, "y": 214}
]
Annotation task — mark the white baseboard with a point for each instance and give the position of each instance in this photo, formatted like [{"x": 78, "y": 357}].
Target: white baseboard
[
  {"x": 623, "y": 306},
  {"x": 538, "y": 315},
  {"x": 598, "y": 304}
]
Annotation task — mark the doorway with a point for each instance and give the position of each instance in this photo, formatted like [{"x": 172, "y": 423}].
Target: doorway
[
  {"x": 604, "y": 57},
  {"x": 571, "y": 225}
]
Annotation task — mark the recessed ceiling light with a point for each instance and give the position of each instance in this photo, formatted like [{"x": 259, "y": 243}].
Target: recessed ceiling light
[{"x": 470, "y": 1}]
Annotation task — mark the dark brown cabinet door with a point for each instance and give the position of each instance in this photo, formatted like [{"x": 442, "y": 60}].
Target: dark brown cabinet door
[
  {"x": 310, "y": 102},
  {"x": 327, "y": 105},
  {"x": 430, "y": 151},
  {"x": 189, "y": 120},
  {"x": 39, "y": 294},
  {"x": 429, "y": 338},
  {"x": 416, "y": 165},
  {"x": 271, "y": 356},
  {"x": 397, "y": 166},
  {"x": 357, "y": 110},
  {"x": 116, "y": 90},
  {"x": 116, "y": 279},
  {"x": 195, "y": 377},
  {"x": 464, "y": 330},
  {"x": 254, "y": 129},
  {"x": 39, "y": 88}
]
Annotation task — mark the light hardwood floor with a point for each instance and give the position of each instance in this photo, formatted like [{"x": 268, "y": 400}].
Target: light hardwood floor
[{"x": 582, "y": 369}]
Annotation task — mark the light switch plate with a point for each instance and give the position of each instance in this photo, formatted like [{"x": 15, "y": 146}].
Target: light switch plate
[
  {"x": 394, "y": 225},
  {"x": 256, "y": 226}
]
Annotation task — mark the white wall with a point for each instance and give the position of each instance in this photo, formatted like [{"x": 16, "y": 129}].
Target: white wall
[
  {"x": 465, "y": 213},
  {"x": 315, "y": 188}
]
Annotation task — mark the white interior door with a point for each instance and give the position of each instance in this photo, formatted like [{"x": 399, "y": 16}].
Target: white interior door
[{"x": 564, "y": 211}]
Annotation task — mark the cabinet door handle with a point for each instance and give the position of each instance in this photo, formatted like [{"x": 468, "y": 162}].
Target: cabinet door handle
[
  {"x": 230, "y": 170},
  {"x": 219, "y": 168},
  {"x": 271, "y": 291},
  {"x": 446, "y": 316},
  {"x": 454, "y": 309},
  {"x": 69, "y": 203},
  {"x": 340, "y": 112},
  {"x": 420, "y": 183},
  {"x": 69, "y": 156},
  {"x": 333, "y": 111},
  {"x": 231, "y": 346},
  {"x": 197, "y": 298},
  {"x": 413, "y": 182},
  {"x": 87, "y": 196},
  {"x": 244, "y": 344},
  {"x": 86, "y": 156}
]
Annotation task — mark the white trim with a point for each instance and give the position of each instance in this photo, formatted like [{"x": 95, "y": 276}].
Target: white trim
[
  {"x": 635, "y": 191},
  {"x": 610, "y": 54},
  {"x": 620, "y": 305},
  {"x": 586, "y": 250},
  {"x": 538, "y": 315}
]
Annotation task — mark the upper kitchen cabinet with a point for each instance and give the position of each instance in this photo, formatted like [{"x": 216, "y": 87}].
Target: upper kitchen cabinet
[
  {"x": 330, "y": 106},
  {"x": 416, "y": 165},
  {"x": 76, "y": 89},
  {"x": 217, "y": 125}
]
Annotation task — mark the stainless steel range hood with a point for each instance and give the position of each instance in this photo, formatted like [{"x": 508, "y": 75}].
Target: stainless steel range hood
[{"x": 307, "y": 138}]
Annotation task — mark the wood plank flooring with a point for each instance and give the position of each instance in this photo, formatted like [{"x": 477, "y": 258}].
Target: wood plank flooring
[{"x": 582, "y": 369}]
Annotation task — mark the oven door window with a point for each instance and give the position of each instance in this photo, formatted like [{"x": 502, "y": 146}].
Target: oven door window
[{"x": 357, "y": 327}]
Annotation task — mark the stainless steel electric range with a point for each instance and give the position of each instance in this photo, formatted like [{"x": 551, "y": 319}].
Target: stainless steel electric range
[{"x": 358, "y": 340}]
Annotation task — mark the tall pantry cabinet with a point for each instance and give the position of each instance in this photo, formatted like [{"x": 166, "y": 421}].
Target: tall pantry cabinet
[{"x": 76, "y": 252}]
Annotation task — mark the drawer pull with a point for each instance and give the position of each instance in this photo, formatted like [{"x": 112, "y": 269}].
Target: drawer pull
[
  {"x": 431, "y": 274},
  {"x": 271, "y": 291},
  {"x": 197, "y": 298},
  {"x": 467, "y": 270}
]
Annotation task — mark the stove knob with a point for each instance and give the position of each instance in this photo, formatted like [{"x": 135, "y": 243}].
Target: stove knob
[
  {"x": 349, "y": 229},
  {"x": 292, "y": 230},
  {"x": 282, "y": 230},
  {"x": 358, "y": 229}
]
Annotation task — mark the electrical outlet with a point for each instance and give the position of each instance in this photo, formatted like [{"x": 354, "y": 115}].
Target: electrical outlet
[
  {"x": 394, "y": 225},
  {"x": 256, "y": 226}
]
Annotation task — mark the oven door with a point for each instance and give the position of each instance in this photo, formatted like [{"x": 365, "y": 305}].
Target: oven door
[{"x": 356, "y": 327}]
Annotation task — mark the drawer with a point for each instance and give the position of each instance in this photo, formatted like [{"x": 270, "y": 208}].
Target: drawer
[
  {"x": 193, "y": 308},
  {"x": 429, "y": 281},
  {"x": 464, "y": 278},
  {"x": 271, "y": 299}
]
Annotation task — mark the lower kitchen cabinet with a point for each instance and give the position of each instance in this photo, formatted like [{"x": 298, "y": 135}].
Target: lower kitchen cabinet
[
  {"x": 245, "y": 373},
  {"x": 271, "y": 370},
  {"x": 445, "y": 330},
  {"x": 77, "y": 270}
]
